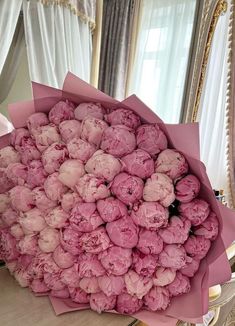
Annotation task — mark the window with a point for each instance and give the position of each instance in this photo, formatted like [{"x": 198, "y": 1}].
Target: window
[{"x": 162, "y": 54}]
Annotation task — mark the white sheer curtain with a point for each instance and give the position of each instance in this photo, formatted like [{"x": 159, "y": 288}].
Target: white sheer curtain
[
  {"x": 162, "y": 55},
  {"x": 57, "y": 42},
  {"x": 9, "y": 14},
  {"x": 212, "y": 107}
]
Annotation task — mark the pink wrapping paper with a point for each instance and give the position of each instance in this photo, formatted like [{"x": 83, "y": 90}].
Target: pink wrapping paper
[{"x": 215, "y": 267}]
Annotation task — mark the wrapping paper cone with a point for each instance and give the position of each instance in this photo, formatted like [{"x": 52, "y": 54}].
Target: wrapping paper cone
[{"x": 215, "y": 268}]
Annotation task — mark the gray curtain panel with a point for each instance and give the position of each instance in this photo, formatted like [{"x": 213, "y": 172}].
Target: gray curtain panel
[{"x": 115, "y": 46}]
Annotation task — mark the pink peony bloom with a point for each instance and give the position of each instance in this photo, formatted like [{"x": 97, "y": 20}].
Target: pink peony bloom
[
  {"x": 137, "y": 285},
  {"x": 209, "y": 229},
  {"x": 53, "y": 281},
  {"x": 22, "y": 277},
  {"x": 38, "y": 286},
  {"x": 116, "y": 260},
  {"x": 123, "y": 232},
  {"x": 111, "y": 285},
  {"x": 157, "y": 299},
  {"x": 177, "y": 230},
  {"x": 90, "y": 266},
  {"x": 180, "y": 285},
  {"x": 28, "y": 245},
  {"x": 173, "y": 256},
  {"x": 91, "y": 188},
  {"x": 159, "y": 187},
  {"x": 69, "y": 239},
  {"x": 80, "y": 149},
  {"x": 124, "y": 117},
  {"x": 92, "y": 130},
  {"x": 2, "y": 224},
  {"x": 89, "y": 109},
  {"x": 5, "y": 183},
  {"x": 103, "y": 165},
  {"x": 144, "y": 265},
  {"x": 42, "y": 202},
  {"x": 21, "y": 198},
  {"x": 69, "y": 200},
  {"x": 48, "y": 240},
  {"x": 128, "y": 304},
  {"x": 62, "y": 294},
  {"x": 32, "y": 220},
  {"x": 17, "y": 231},
  {"x": 57, "y": 217},
  {"x": 89, "y": 285},
  {"x": 163, "y": 276},
  {"x": 28, "y": 150},
  {"x": 187, "y": 188},
  {"x": 191, "y": 267},
  {"x": 42, "y": 263},
  {"x": 149, "y": 242},
  {"x": 150, "y": 215},
  {"x": 139, "y": 163},
  {"x": 70, "y": 172},
  {"x": 46, "y": 261},
  {"x": 46, "y": 136},
  {"x": 84, "y": 217},
  {"x": 151, "y": 139},
  {"x": 95, "y": 241},
  {"x": 8, "y": 155},
  {"x": 69, "y": 276},
  {"x": 100, "y": 302},
  {"x": 4, "y": 202},
  {"x": 54, "y": 189},
  {"x": 78, "y": 295},
  {"x": 63, "y": 110},
  {"x": 70, "y": 129},
  {"x": 171, "y": 163},
  {"x": 17, "y": 135},
  {"x": 127, "y": 188},
  {"x": 17, "y": 173},
  {"x": 111, "y": 209},
  {"x": 36, "y": 174},
  {"x": 54, "y": 156},
  {"x": 37, "y": 120},
  {"x": 196, "y": 211},
  {"x": 9, "y": 217},
  {"x": 197, "y": 246},
  {"x": 118, "y": 140},
  {"x": 24, "y": 262},
  {"x": 8, "y": 250}
]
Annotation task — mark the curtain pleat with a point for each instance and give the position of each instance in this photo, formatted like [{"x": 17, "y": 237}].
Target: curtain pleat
[
  {"x": 84, "y": 9},
  {"x": 9, "y": 13},
  {"x": 57, "y": 42},
  {"x": 115, "y": 46}
]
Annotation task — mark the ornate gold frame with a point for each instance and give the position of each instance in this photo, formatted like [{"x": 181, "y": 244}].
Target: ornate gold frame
[
  {"x": 220, "y": 8},
  {"x": 208, "y": 18},
  {"x": 210, "y": 11},
  {"x": 230, "y": 111}
]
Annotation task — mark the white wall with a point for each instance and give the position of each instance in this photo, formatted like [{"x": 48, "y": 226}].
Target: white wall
[{"x": 21, "y": 88}]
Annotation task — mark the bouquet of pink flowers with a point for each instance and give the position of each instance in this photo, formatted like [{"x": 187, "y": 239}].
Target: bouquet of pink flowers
[{"x": 105, "y": 206}]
